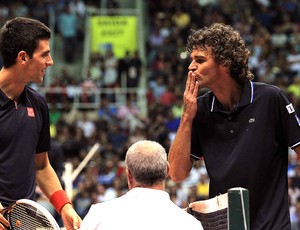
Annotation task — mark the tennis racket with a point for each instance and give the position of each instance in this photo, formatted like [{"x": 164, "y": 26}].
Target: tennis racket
[{"x": 26, "y": 214}]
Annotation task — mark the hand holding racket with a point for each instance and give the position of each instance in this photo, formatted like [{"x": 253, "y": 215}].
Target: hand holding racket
[
  {"x": 3, "y": 222},
  {"x": 26, "y": 214}
]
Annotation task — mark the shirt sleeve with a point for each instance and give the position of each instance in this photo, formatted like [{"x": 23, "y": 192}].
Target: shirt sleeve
[
  {"x": 289, "y": 120},
  {"x": 44, "y": 142}
]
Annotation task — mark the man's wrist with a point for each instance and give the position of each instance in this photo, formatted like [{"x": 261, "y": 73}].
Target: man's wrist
[{"x": 59, "y": 199}]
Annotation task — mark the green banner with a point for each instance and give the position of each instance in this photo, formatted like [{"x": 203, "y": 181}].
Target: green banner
[{"x": 116, "y": 32}]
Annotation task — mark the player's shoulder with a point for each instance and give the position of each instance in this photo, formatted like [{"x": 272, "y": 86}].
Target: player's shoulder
[
  {"x": 112, "y": 203},
  {"x": 266, "y": 87},
  {"x": 32, "y": 92},
  {"x": 268, "y": 91},
  {"x": 35, "y": 96}
]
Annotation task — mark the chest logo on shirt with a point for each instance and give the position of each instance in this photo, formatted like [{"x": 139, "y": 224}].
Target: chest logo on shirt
[
  {"x": 290, "y": 108},
  {"x": 30, "y": 112},
  {"x": 251, "y": 120}
]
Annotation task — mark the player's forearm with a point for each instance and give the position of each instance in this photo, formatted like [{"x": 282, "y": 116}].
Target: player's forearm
[
  {"x": 51, "y": 187},
  {"x": 179, "y": 154},
  {"x": 48, "y": 181}
]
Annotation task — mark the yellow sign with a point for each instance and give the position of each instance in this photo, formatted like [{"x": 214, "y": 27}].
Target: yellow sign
[{"x": 116, "y": 32}]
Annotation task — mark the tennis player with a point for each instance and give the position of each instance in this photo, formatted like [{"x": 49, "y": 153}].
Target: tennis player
[
  {"x": 146, "y": 206},
  {"x": 241, "y": 128},
  {"x": 24, "y": 119}
]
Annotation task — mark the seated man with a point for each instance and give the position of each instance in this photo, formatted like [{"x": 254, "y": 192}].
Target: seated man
[{"x": 146, "y": 205}]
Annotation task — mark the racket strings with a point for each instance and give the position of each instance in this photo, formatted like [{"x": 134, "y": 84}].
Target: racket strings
[{"x": 25, "y": 217}]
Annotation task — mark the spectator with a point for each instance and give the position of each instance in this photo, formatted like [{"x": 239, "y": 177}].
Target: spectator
[
  {"x": 87, "y": 125},
  {"x": 19, "y": 9},
  {"x": 107, "y": 112},
  {"x": 129, "y": 115},
  {"x": 110, "y": 64},
  {"x": 40, "y": 11},
  {"x": 134, "y": 70},
  {"x": 67, "y": 27}
]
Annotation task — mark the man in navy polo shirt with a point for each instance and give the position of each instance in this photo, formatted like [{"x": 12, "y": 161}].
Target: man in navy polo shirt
[
  {"x": 24, "y": 119},
  {"x": 242, "y": 129}
]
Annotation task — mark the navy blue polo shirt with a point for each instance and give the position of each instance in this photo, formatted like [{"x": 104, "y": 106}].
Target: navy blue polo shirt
[
  {"x": 249, "y": 148},
  {"x": 24, "y": 131}
]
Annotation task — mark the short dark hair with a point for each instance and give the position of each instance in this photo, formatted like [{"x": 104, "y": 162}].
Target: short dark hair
[
  {"x": 19, "y": 34},
  {"x": 228, "y": 49}
]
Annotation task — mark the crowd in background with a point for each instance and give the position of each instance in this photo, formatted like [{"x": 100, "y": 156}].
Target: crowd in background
[{"x": 271, "y": 30}]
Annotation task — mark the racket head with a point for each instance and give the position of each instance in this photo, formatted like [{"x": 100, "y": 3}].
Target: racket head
[{"x": 27, "y": 214}]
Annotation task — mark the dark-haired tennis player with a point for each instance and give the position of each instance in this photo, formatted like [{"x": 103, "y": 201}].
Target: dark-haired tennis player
[{"x": 24, "y": 119}]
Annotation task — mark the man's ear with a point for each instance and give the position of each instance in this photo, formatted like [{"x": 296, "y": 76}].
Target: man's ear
[
  {"x": 22, "y": 56},
  {"x": 128, "y": 173},
  {"x": 130, "y": 180},
  {"x": 168, "y": 169}
]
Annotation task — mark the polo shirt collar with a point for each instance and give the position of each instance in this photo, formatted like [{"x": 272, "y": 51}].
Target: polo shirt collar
[
  {"x": 4, "y": 99},
  {"x": 246, "y": 98}
]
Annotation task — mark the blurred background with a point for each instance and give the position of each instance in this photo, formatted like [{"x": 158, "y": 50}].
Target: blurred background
[{"x": 119, "y": 76}]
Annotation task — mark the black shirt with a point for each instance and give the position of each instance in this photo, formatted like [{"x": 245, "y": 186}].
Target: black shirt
[
  {"x": 249, "y": 148},
  {"x": 24, "y": 131}
]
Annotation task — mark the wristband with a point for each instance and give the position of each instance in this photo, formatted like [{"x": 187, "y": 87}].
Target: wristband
[{"x": 59, "y": 199}]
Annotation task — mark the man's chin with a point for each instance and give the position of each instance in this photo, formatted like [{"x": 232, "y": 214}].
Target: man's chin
[
  {"x": 41, "y": 79},
  {"x": 38, "y": 80}
]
